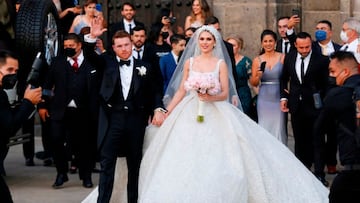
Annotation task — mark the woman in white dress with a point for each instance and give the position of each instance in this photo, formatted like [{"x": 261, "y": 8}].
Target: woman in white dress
[{"x": 208, "y": 151}]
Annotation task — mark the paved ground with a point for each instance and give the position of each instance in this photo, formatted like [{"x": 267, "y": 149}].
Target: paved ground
[{"x": 33, "y": 184}]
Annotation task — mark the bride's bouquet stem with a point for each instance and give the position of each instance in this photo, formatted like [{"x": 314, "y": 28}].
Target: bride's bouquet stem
[{"x": 200, "y": 116}]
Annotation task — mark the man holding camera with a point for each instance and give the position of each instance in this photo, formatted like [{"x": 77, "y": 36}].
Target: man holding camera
[{"x": 12, "y": 118}]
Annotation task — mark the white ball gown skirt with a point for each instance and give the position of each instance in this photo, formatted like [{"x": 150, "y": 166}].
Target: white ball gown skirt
[{"x": 227, "y": 158}]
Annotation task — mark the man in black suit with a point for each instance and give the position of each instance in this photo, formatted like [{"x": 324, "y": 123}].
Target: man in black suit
[
  {"x": 129, "y": 95},
  {"x": 323, "y": 43},
  {"x": 127, "y": 22},
  {"x": 340, "y": 108},
  {"x": 283, "y": 45},
  {"x": 138, "y": 38},
  {"x": 307, "y": 73},
  {"x": 10, "y": 119},
  {"x": 73, "y": 110},
  {"x": 325, "y": 46}
]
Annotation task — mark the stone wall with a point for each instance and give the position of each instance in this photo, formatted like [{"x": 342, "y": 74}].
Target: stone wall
[{"x": 249, "y": 17}]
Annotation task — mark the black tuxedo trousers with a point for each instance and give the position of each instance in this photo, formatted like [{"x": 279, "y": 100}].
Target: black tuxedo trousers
[{"x": 125, "y": 135}]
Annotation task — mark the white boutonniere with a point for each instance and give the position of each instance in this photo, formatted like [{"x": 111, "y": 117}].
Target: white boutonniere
[{"x": 142, "y": 70}]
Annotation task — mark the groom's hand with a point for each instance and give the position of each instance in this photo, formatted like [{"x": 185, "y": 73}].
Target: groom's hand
[{"x": 158, "y": 118}]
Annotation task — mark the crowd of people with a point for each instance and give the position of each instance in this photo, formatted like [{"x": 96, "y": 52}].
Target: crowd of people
[{"x": 212, "y": 120}]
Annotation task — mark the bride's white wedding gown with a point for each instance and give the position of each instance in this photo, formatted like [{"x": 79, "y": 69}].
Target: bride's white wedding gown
[{"x": 227, "y": 158}]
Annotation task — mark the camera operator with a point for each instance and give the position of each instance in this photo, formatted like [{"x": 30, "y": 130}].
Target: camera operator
[{"x": 12, "y": 118}]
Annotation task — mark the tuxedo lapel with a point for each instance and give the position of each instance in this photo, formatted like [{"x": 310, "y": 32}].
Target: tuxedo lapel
[
  {"x": 294, "y": 68},
  {"x": 135, "y": 83},
  {"x": 310, "y": 67}
]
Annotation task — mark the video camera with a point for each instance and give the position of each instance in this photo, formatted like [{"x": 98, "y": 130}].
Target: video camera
[{"x": 34, "y": 76}]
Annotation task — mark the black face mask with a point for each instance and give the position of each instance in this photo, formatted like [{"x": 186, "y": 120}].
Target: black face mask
[
  {"x": 9, "y": 81},
  {"x": 332, "y": 81},
  {"x": 70, "y": 52},
  {"x": 165, "y": 35}
]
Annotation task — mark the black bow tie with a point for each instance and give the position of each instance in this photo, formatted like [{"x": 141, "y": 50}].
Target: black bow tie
[{"x": 123, "y": 62}]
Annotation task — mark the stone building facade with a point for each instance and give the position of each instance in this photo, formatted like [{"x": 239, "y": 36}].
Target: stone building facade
[{"x": 247, "y": 17}]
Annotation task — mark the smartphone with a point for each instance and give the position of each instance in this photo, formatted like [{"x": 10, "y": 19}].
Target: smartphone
[
  {"x": 262, "y": 66},
  {"x": 295, "y": 12}
]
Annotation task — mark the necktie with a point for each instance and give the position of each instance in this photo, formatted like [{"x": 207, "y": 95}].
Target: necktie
[
  {"x": 129, "y": 28},
  {"x": 123, "y": 62},
  {"x": 302, "y": 71},
  {"x": 286, "y": 47},
  {"x": 75, "y": 65},
  {"x": 138, "y": 54}
]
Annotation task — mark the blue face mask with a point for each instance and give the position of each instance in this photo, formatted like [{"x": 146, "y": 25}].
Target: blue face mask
[{"x": 320, "y": 35}]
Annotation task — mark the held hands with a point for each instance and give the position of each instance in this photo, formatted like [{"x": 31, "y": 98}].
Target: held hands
[
  {"x": 158, "y": 118},
  {"x": 33, "y": 95}
]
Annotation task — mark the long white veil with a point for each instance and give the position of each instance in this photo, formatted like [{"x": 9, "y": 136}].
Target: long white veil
[{"x": 192, "y": 50}]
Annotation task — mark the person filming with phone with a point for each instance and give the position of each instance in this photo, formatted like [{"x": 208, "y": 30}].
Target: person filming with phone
[{"x": 11, "y": 119}]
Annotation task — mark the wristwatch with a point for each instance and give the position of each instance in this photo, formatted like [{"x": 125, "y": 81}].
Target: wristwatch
[{"x": 162, "y": 110}]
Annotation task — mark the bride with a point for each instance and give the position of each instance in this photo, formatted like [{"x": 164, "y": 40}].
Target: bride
[
  {"x": 207, "y": 150},
  {"x": 225, "y": 158}
]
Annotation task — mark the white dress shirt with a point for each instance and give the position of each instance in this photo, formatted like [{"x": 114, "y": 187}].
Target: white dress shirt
[
  {"x": 352, "y": 47},
  {"x": 176, "y": 57},
  {"x": 298, "y": 65},
  {"x": 126, "y": 73},
  {"x": 327, "y": 49},
  {"x": 126, "y": 25},
  {"x": 135, "y": 52}
]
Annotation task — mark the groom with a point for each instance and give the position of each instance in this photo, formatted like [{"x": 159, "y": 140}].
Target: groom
[{"x": 130, "y": 93}]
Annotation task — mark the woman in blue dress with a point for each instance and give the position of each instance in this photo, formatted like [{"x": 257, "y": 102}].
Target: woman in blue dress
[{"x": 266, "y": 72}]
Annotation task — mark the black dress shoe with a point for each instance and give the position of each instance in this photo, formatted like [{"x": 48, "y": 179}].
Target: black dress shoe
[
  {"x": 29, "y": 162},
  {"x": 87, "y": 183},
  {"x": 60, "y": 180}
]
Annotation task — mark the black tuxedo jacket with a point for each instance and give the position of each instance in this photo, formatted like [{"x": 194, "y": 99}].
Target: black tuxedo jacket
[
  {"x": 57, "y": 81},
  {"x": 145, "y": 92},
  {"x": 279, "y": 45},
  {"x": 120, "y": 26},
  {"x": 12, "y": 119},
  {"x": 315, "y": 80}
]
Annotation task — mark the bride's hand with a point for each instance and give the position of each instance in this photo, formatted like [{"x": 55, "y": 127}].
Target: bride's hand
[{"x": 204, "y": 97}]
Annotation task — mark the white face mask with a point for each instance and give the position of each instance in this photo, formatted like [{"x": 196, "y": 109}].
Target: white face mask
[{"x": 344, "y": 37}]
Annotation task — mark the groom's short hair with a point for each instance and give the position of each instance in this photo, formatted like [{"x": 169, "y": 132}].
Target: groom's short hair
[{"x": 121, "y": 34}]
